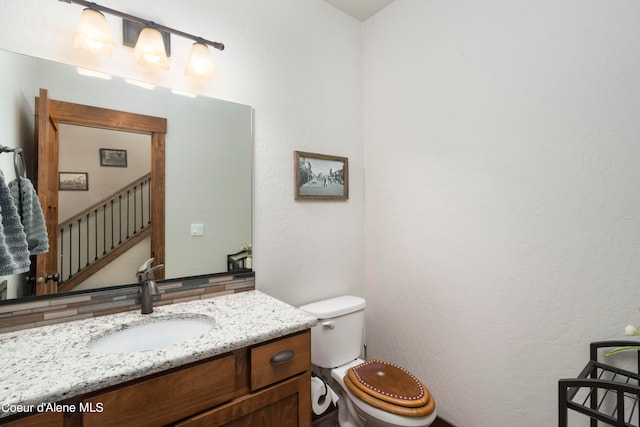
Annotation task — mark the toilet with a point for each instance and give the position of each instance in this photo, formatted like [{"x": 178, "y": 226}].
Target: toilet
[{"x": 374, "y": 393}]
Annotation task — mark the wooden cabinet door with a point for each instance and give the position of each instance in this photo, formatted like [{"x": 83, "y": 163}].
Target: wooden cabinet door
[
  {"x": 287, "y": 404},
  {"x": 46, "y": 419}
]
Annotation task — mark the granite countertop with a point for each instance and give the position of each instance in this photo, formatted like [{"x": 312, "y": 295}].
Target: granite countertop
[{"x": 52, "y": 363}]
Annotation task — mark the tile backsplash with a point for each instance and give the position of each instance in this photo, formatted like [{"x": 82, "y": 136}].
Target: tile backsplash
[{"x": 40, "y": 311}]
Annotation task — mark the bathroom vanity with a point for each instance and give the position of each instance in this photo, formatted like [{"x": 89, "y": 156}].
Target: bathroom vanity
[{"x": 252, "y": 367}]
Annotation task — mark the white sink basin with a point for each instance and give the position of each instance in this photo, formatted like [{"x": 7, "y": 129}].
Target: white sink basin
[{"x": 154, "y": 335}]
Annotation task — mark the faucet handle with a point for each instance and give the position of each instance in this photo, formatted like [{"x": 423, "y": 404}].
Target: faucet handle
[
  {"x": 145, "y": 266},
  {"x": 149, "y": 273}
]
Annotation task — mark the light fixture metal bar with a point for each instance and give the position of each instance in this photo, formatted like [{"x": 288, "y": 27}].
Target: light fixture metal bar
[{"x": 145, "y": 22}]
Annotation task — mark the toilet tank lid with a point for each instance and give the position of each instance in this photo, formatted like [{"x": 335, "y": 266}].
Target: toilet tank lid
[{"x": 335, "y": 307}]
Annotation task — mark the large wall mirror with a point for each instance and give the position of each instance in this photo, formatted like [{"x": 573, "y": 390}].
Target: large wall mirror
[{"x": 208, "y": 162}]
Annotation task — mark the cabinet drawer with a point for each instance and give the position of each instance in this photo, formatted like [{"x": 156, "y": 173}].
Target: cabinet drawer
[
  {"x": 280, "y": 359},
  {"x": 165, "y": 399}
]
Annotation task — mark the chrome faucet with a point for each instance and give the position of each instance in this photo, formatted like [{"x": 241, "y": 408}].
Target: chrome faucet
[{"x": 149, "y": 287}]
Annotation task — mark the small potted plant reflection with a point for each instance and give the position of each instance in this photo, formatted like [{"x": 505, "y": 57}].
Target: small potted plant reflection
[{"x": 248, "y": 263}]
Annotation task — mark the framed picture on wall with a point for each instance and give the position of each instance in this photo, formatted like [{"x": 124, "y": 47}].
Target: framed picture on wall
[
  {"x": 320, "y": 176},
  {"x": 111, "y": 157},
  {"x": 73, "y": 181}
]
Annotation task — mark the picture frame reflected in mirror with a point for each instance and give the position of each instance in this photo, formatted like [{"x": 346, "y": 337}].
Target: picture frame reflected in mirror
[
  {"x": 113, "y": 157},
  {"x": 73, "y": 181}
]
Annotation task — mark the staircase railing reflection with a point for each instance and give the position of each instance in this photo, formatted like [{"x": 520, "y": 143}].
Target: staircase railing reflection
[{"x": 94, "y": 237}]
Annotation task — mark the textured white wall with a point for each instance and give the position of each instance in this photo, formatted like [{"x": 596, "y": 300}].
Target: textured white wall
[
  {"x": 502, "y": 195},
  {"x": 298, "y": 63}
]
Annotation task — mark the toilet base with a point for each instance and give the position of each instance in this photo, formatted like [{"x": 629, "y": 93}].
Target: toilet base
[{"x": 346, "y": 414}]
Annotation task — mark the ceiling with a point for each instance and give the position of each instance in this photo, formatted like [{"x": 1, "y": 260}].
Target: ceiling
[{"x": 360, "y": 9}]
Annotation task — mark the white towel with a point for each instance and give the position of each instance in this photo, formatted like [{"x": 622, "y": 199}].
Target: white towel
[
  {"x": 14, "y": 253},
  {"x": 25, "y": 198}
]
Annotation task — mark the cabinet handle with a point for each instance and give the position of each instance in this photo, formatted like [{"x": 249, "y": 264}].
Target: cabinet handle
[{"x": 283, "y": 356}]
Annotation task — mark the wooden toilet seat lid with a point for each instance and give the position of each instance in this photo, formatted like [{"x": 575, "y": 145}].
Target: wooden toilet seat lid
[{"x": 388, "y": 382}]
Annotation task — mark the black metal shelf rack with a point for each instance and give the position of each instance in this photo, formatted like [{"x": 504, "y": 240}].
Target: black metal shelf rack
[{"x": 604, "y": 393}]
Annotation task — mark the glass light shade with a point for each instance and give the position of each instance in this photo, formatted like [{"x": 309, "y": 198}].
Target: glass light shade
[
  {"x": 200, "y": 64},
  {"x": 150, "y": 50},
  {"x": 93, "y": 34}
]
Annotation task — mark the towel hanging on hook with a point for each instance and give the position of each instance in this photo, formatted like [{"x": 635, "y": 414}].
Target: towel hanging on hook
[
  {"x": 25, "y": 198},
  {"x": 14, "y": 251},
  {"x": 26, "y": 204}
]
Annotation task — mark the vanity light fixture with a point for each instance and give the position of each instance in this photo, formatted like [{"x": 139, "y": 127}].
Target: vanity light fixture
[
  {"x": 150, "y": 49},
  {"x": 93, "y": 34},
  {"x": 153, "y": 43},
  {"x": 200, "y": 64}
]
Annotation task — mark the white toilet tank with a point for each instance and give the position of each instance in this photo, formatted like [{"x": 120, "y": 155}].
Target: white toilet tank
[{"x": 339, "y": 335}]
